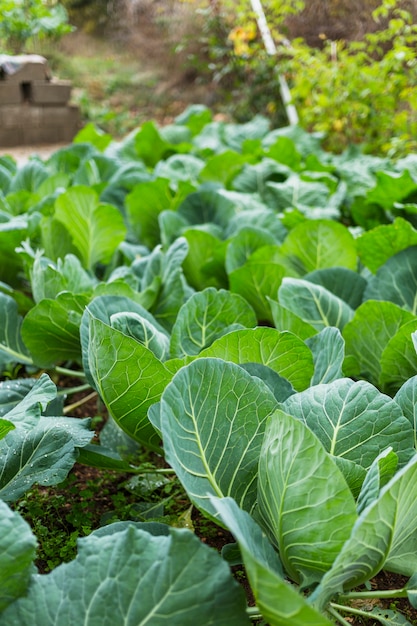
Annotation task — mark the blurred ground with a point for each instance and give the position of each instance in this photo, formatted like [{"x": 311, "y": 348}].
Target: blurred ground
[{"x": 23, "y": 153}]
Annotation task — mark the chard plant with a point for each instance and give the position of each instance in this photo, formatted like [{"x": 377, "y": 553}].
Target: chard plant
[{"x": 244, "y": 304}]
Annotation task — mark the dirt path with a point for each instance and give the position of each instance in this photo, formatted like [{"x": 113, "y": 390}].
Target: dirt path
[{"x": 21, "y": 154}]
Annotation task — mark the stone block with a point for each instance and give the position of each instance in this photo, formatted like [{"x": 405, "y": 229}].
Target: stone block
[
  {"x": 16, "y": 116},
  {"x": 10, "y": 94},
  {"x": 39, "y": 135},
  {"x": 10, "y": 137},
  {"x": 24, "y": 68},
  {"x": 53, "y": 92},
  {"x": 28, "y": 125}
]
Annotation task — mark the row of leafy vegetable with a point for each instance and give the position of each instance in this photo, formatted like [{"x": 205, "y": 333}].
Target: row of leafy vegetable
[{"x": 245, "y": 304}]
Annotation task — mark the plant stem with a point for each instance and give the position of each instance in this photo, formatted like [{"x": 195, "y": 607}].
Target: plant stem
[
  {"x": 67, "y": 372},
  {"x": 337, "y": 615},
  {"x": 385, "y": 593},
  {"x": 67, "y": 391},
  {"x": 253, "y": 612},
  {"x": 74, "y": 405},
  {"x": 350, "y": 609},
  {"x": 167, "y": 470}
]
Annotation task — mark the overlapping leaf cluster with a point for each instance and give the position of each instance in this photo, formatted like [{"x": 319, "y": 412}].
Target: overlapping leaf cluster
[{"x": 245, "y": 304}]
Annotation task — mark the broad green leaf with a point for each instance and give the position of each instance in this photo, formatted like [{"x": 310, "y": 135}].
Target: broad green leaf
[
  {"x": 283, "y": 352},
  {"x": 306, "y": 143},
  {"x": 180, "y": 167},
  {"x": 120, "y": 287},
  {"x": 179, "y": 136},
  {"x": 252, "y": 178},
  {"x": 49, "y": 279},
  {"x": 284, "y": 150},
  {"x": 255, "y": 213},
  {"x": 195, "y": 117},
  {"x": 12, "y": 348},
  {"x": 212, "y": 418},
  {"x": 380, "y": 472},
  {"x": 376, "y": 246},
  {"x": 116, "y": 440},
  {"x": 141, "y": 329},
  {"x": 295, "y": 192},
  {"x": 207, "y": 206},
  {"x": 223, "y": 167},
  {"x": 51, "y": 329},
  {"x": 406, "y": 398},
  {"x": 244, "y": 244},
  {"x": 103, "y": 307},
  {"x": 367, "y": 334},
  {"x": 12, "y": 233},
  {"x": 353, "y": 420},
  {"x": 399, "y": 358},
  {"x": 284, "y": 319},
  {"x": 94, "y": 136},
  {"x": 173, "y": 292},
  {"x": 149, "y": 144},
  {"x": 143, "y": 206},
  {"x": 5, "y": 427},
  {"x": 98, "y": 456},
  {"x": 171, "y": 226},
  {"x": 412, "y": 590},
  {"x": 96, "y": 229},
  {"x": 17, "y": 553},
  {"x": 402, "y": 557},
  {"x": 26, "y": 406},
  {"x": 205, "y": 317},
  {"x": 43, "y": 455},
  {"x": 391, "y": 187},
  {"x": 367, "y": 215},
  {"x": 314, "y": 304},
  {"x": 382, "y": 537},
  {"x": 304, "y": 500},
  {"x": 278, "y": 601},
  {"x": 95, "y": 172},
  {"x": 342, "y": 282},
  {"x": 319, "y": 244},
  {"x": 328, "y": 349},
  {"x": 258, "y": 280},
  {"x": 198, "y": 266},
  {"x": 56, "y": 240},
  {"x": 353, "y": 473},
  {"x": 68, "y": 159},
  {"x": 280, "y": 386},
  {"x": 236, "y": 134},
  {"x": 128, "y": 377},
  {"x": 5, "y": 177},
  {"x": 396, "y": 281},
  {"x": 112, "y": 582},
  {"x": 29, "y": 176}
]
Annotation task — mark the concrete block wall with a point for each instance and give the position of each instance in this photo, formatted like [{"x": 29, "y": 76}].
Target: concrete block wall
[{"x": 34, "y": 108}]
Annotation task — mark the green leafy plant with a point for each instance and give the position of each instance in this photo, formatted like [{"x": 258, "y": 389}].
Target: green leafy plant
[{"x": 244, "y": 304}]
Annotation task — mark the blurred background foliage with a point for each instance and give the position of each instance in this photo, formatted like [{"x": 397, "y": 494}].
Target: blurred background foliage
[{"x": 351, "y": 64}]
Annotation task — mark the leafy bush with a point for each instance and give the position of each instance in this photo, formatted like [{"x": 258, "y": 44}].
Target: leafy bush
[
  {"x": 354, "y": 91},
  {"x": 24, "y": 21},
  {"x": 361, "y": 92}
]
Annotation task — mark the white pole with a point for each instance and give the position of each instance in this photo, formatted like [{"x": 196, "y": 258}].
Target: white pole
[{"x": 271, "y": 49}]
